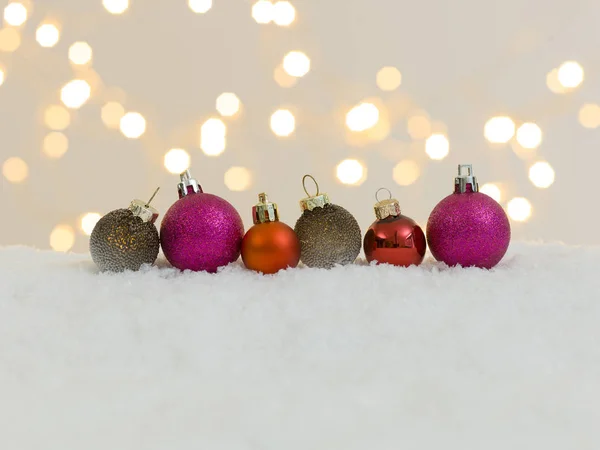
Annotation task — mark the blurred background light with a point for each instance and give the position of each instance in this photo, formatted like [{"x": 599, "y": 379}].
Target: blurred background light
[
  {"x": 55, "y": 144},
  {"x": 228, "y": 104},
  {"x": 111, "y": 114},
  {"x": 282, "y": 78},
  {"x": 351, "y": 171},
  {"x": 47, "y": 35},
  {"x": 238, "y": 179},
  {"x": 57, "y": 117},
  {"x": 116, "y": 6},
  {"x": 10, "y": 39},
  {"x": 519, "y": 209},
  {"x": 284, "y": 13},
  {"x": 406, "y": 172},
  {"x": 492, "y": 190},
  {"x": 15, "y": 170},
  {"x": 283, "y": 122},
  {"x": 499, "y": 130},
  {"x": 362, "y": 117},
  {"x": 177, "y": 161},
  {"x": 263, "y": 11},
  {"x": 80, "y": 53},
  {"x": 554, "y": 84},
  {"x": 2, "y": 76},
  {"x": 529, "y": 135},
  {"x": 437, "y": 146},
  {"x": 213, "y": 137},
  {"x": 15, "y": 14},
  {"x": 88, "y": 222},
  {"x": 570, "y": 74},
  {"x": 389, "y": 79},
  {"x": 75, "y": 93},
  {"x": 62, "y": 238},
  {"x": 589, "y": 115},
  {"x": 541, "y": 174},
  {"x": 200, "y": 6},
  {"x": 296, "y": 64},
  {"x": 133, "y": 125},
  {"x": 418, "y": 126}
]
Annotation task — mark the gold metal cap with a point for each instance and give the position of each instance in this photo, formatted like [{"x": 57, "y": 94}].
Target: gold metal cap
[
  {"x": 386, "y": 208},
  {"x": 264, "y": 210},
  {"x": 313, "y": 201},
  {"x": 143, "y": 209}
]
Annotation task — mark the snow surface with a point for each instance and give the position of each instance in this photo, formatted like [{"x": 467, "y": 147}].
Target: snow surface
[{"x": 358, "y": 357}]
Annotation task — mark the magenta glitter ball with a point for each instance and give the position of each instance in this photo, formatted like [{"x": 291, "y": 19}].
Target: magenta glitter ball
[
  {"x": 468, "y": 228},
  {"x": 201, "y": 231}
]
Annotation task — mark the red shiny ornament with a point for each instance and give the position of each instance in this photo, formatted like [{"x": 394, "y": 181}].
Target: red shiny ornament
[
  {"x": 270, "y": 245},
  {"x": 394, "y": 238}
]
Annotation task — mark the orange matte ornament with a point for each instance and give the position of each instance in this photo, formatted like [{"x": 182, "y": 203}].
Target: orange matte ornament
[{"x": 270, "y": 245}]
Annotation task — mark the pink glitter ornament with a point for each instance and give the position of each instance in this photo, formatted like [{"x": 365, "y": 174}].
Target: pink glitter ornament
[
  {"x": 200, "y": 231},
  {"x": 468, "y": 227}
]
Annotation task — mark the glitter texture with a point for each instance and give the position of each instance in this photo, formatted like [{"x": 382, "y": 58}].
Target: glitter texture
[
  {"x": 469, "y": 229},
  {"x": 328, "y": 236},
  {"x": 122, "y": 241},
  {"x": 201, "y": 232}
]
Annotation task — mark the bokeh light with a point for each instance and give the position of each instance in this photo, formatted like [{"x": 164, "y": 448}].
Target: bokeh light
[
  {"x": 200, "y": 6},
  {"x": 499, "y": 130},
  {"x": 15, "y": 14},
  {"x": 589, "y": 115},
  {"x": 362, "y": 117},
  {"x": 284, "y": 13},
  {"x": 570, "y": 74},
  {"x": 88, "y": 222},
  {"x": 519, "y": 209},
  {"x": 228, "y": 104},
  {"x": 351, "y": 171},
  {"x": 437, "y": 146},
  {"x": 282, "y": 78},
  {"x": 111, "y": 114},
  {"x": 283, "y": 122},
  {"x": 529, "y": 135},
  {"x": 389, "y": 79},
  {"x": 75, "y": 93},
  {"x": 10, "y": 39},
  {"x": 80, "y": 53},
  {"x": 55, "y": 145},
  {"x": 406, "y": 172},
  {"x": 177, "y": 160},
  {"x": 213, "y": 137},
  {"x": 132, "y": 125},
  {"x": 238, "y": 179},
  {"x": 62, "y": 238},
  {"x": 15, "y": 170},
  {"x": 263, "y": 11},
  {"x": 296, "y": 64},
  {"x": 2, "y": 76},
  {"x": 492, "y": 190},
  {"x": 541, "y": 174},
  {"x": 116, "y": 6},
  {"x": 554, "y": 84},
  {"x": 57, "y": 117},
  {"x": 47, "y": 35},
  {"x": 419, "y": 126}
]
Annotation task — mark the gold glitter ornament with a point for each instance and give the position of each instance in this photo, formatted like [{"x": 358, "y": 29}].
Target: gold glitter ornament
[
  {"x": 328, "y": 233},
  {"x": 125, "y": 239}
]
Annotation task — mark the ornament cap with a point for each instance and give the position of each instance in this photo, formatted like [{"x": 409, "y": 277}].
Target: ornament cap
[
  {"x": 386, "y": 208},
  {"x": 143, "y": 210},
  {"x": 264, "y": 210},
  {"x": 188, "y": 185},
  {"x": 313, "y": 201},
  {"x": 465, "y": 178}
]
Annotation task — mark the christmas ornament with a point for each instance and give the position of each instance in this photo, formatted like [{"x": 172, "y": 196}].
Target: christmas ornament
[
  {"x": 200, "y": 231},
  {"x": 468, "y": 227},
  {"x": 125, "y": 239},
  {"x": 328, "y": 233},
  {"x": 270, "y": 245},
  {"x": 394, "y": 238}
]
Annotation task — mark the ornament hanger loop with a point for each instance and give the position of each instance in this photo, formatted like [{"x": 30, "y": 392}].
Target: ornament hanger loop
[
  {"x": 382, "y": 189},
  {"x": 153, "y": 195},
  {"x": 304, "y": 185}
]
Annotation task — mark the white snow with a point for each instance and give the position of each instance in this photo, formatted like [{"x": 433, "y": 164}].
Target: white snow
[{"x": 359, "y": 357}]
